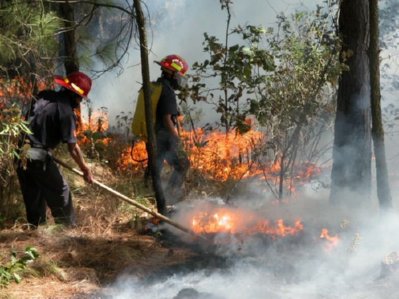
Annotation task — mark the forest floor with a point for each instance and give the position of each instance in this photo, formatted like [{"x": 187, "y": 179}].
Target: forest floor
[
  {"x": 81, "y": 262},
  {"x": 77, "y": 264},
  {"x": 115, "y": 240}
]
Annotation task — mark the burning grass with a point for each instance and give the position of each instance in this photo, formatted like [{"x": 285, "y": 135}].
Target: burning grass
[
  {"x": 234, "y": 221},
  {"x": 218, "y": 158},
  {"x": 18, "y": 89}
]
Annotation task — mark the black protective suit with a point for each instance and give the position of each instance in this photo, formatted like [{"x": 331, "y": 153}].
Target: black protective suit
[{"x": 52, "y": 121}]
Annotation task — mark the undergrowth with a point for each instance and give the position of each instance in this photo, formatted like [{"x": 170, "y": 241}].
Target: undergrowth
[{"x": 14, "y": 269}]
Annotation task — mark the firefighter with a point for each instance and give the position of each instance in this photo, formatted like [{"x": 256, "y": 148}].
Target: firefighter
[
  {"x": 169, "y": 145},
  {"x": 52, "y": 121}
]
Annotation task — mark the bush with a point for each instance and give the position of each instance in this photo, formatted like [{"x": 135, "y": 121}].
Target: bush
[{"x": 12, "y": 126}]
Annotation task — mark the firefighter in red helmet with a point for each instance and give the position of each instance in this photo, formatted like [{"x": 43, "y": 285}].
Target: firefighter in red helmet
[
  {"x": 52, "y": 121},
  {"x": 169, "y": 146}
]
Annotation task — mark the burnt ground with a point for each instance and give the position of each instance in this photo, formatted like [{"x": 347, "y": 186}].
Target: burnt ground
[
  {"x": 109, "y": 242},
  {"x": 77, "y": 264},
  {"x": 81, "y": 262},
  {"x": 111, "y": 239}
]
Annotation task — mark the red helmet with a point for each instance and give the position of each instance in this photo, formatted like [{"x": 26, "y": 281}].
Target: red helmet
[
  {"x": 78, "y": 82},
  {"x": 174, "y": 63}
]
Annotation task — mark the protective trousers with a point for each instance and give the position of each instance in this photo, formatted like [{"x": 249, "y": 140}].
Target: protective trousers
[
  {"x": 43, "y": 185},
  {"x": 169, "y": 148}
]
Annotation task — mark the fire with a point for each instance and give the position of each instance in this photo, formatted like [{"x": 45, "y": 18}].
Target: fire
[
  {"x": 94, "y": 128},
  {"x": 18, "y": 88},
  {"x": 332, "y": 241},
  {"x": 134, "y": 157},
  {"x": 221, "y": 157},
  {"x": 97, "y": 121},
  {"x": 213, "y": 223},
  {"x": 233, "y": 221}
]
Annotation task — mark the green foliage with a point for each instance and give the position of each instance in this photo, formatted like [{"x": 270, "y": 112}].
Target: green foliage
[
  {"x": 105, "y": 37},
  {"x": 238, "y": 68},
  {"x": 282, "y": 74},
  {"x": 11, "y": 127},
  {"x": 13, "y": 270},
  {"x": 285, "y": 76},
  {"x": 27, "y": 31},
  {"x": 306, "y": 53}
]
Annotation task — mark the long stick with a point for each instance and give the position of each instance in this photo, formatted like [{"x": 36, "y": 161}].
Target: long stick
[{"x": 129, "y": 200}]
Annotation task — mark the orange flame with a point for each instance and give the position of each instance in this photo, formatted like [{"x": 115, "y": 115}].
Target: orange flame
[
  {"x": 18, "y": 91},
  {"x": 224, "y": 220},
  {"x": 97, "y": 123},
  {"x": 220, "y": 156},
  {"x": 134, "y": 157},
  {"x": 19, "y": 87},
  {"x": 332, "y": 241}
]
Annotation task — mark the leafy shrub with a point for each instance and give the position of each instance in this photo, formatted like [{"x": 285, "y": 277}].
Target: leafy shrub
[{"x": 12, "y": 271}]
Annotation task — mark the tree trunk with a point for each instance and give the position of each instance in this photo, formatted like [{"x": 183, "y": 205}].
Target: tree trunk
[
  {"x": 383, "y": 189},
  {"x": 351, "y": 170},
  {"x": 68, "y": 49},
  {"x": 151, "y": 145}
]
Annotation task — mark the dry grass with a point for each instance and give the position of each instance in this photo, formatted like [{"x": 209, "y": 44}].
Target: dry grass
[{"x": 79, "y": 262}]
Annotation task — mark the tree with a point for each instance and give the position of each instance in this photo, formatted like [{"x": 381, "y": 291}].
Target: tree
[
  {"x": 103, "y": 32},
  {"x": 383, "y": 189},
  {"x": 284, "y": 77},
  {"x": 151, "y": 145},
  {"x": 351, "y": 170},
  {"x": 295, "y": 103},
  {"x": 27, "y": 36},
  {"x": 235, "y": 69},
  {"x": 68, "y": 48}
]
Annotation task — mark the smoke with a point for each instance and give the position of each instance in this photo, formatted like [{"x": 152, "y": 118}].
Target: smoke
[
  {"x": 389, "y": 85},
  {"x": 177, "y": 27},
  {"x": 300, "y": 266}
]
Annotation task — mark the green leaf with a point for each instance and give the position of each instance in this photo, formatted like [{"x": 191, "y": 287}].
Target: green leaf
[{"x": 16, "y": 277}]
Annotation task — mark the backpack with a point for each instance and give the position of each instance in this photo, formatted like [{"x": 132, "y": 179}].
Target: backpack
[{"x": 139, "y": 128}]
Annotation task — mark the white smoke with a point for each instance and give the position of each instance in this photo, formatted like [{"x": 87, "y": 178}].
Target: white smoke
[
  {"x": 177, "y": 27},
  {"x": 303, "y": 266}
]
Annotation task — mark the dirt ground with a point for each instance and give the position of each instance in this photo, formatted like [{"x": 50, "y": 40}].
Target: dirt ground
[
  {"x": 111, "y": 240},
  {"x": 78, "y": 264}
]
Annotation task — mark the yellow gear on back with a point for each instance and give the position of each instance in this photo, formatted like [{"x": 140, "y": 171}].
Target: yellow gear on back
[{"x": 139, "y": 128}]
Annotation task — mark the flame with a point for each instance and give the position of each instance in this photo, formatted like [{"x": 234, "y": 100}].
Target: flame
[
  {"x": 233, "y": 221},
  {"x": 221, "y": 157},
  {"x": 98, "y": 121},
  {"x": 96, "y": 124},
  {"x": 19, "y": 88},
  {"x": 332, "y": 241},
  {"x": 134, "y": 157},
  {"x": 16, "y": 93}
]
